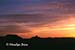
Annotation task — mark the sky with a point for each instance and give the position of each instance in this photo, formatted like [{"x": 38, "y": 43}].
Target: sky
[{"x": 42, "y": 18}]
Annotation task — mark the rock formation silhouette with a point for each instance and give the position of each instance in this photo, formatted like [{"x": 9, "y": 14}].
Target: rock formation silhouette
[{"x": 36, "y": 42}]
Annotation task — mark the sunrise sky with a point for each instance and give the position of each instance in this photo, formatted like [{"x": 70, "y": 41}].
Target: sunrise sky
[{"x": 42, "y": 18}]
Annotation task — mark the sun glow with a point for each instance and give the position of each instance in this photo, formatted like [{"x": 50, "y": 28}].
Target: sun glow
[
  {"x": 71, "y": 25},
  {"x": 62, "y": 28}
]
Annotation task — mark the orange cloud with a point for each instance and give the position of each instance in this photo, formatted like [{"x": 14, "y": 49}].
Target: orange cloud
[
  {"x": 44, "y": 20},
  {"x": 62, "y": 28}
]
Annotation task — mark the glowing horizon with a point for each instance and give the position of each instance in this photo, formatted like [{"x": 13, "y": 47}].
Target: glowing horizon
[
  {"x": 66, "y": 29},
  {"x": 42, "y": 18}
]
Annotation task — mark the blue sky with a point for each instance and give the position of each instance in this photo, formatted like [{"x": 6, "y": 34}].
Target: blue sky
[{"x": 10, "y": 6}]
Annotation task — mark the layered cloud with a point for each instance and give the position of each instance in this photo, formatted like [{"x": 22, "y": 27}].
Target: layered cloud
[
  {"x": 28, "y": 18},
  {"x": 37, "y": 6}
]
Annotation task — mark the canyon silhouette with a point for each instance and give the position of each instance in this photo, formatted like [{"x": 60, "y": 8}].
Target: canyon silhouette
[{"x": 38, "y": 43}]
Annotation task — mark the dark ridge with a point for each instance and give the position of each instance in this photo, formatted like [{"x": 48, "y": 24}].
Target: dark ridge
[
  {"x": 13, "y": 37},
  {"x": 36, "y": 42}
]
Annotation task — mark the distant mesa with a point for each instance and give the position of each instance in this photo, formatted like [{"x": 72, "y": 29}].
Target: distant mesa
[
  {"x": 12, "y": 36},
  {"x": 35, "y": 37}
]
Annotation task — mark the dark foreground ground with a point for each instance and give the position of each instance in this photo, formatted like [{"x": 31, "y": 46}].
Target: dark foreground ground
[{"x": 37, "y": 43}]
